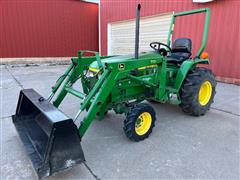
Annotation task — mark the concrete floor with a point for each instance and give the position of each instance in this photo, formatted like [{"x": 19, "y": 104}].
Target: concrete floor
[{"x": 180, "y": 147}]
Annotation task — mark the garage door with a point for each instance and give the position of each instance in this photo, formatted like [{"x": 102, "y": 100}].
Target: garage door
[{"x": 121, "y": 35}]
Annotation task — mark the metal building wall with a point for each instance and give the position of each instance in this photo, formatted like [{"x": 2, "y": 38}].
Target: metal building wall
[
  {"x": 49, "y": 28},
  {"x": 224, "y": 33}
]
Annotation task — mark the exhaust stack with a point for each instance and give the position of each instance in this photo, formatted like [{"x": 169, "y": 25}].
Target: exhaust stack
[{"x": 137, "y": 30}]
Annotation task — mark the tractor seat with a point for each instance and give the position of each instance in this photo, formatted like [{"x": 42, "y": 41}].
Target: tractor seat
[{"x": 181, "y": 51}]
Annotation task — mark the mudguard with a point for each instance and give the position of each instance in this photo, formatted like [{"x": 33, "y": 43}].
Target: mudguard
[{"x": 184, "y": 69}]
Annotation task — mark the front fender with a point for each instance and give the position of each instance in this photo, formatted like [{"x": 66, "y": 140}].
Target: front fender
[{"x": 184, "y": 69}]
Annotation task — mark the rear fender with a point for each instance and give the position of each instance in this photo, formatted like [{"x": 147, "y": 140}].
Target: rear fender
[{"x": 184, "y": 69}]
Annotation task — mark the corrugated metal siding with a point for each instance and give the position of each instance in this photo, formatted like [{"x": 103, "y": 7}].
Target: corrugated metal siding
[
  {"x": 224, "y": 33},
  {"x": 50, "y": 28},
  {"x": 151, "y": 28}
]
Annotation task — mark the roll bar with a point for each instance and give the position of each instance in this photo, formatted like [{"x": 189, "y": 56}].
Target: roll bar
[{"x": 206, "y": 27}]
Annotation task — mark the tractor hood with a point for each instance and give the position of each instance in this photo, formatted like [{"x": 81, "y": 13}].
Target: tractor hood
[{"x": 94, "y": 67}]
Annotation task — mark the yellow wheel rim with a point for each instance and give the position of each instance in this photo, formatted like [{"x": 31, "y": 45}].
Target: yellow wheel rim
[
  {"x": 143, "y": 123},
  {"x": 205, "y": 93}
]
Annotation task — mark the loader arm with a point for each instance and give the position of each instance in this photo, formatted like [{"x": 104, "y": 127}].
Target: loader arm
[
  {"x": 100, "y": 91},
  {"x": 111, "y": 72}
]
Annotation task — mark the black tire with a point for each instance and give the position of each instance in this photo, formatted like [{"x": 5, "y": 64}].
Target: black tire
[
  {"x": 132, "y": 117},
  {"x": 190, "y": 89}
]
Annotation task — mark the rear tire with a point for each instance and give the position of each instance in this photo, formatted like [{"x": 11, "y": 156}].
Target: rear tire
[
  {"x": 197, "y": 91},
  {"x": 139, "y": 122}
]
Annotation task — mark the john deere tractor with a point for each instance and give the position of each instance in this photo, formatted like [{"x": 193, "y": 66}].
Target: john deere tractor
[{"x": 167, "y": 74}]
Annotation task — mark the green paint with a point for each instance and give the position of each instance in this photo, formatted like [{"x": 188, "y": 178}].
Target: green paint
[{"x": 116, "y": 82}]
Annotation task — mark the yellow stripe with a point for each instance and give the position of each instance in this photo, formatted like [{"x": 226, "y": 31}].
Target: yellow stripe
[
  {"x": 94, "y": 69},
  {"x": 147, "y": 67},
  {"x": 141, "y": 68}
]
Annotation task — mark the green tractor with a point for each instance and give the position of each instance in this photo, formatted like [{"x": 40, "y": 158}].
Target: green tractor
[{"x": 168, "y": 74}]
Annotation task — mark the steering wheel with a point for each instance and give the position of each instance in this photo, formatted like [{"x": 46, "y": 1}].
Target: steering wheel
[{"x": 156, "y": 46}]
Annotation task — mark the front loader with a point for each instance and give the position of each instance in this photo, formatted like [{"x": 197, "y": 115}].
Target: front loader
[{"x": 118, "y": 83}]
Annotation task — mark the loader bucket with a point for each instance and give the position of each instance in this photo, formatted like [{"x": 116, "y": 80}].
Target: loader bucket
[{"x": 50, "y": 138}]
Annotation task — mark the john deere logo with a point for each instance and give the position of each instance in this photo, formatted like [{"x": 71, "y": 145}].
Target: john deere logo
[{"x": 121, "y": 66}]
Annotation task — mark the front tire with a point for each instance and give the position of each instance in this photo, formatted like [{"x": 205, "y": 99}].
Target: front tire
[
  {"x": 198, "y": 91},
  {"x": 139, "y": 122}
]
